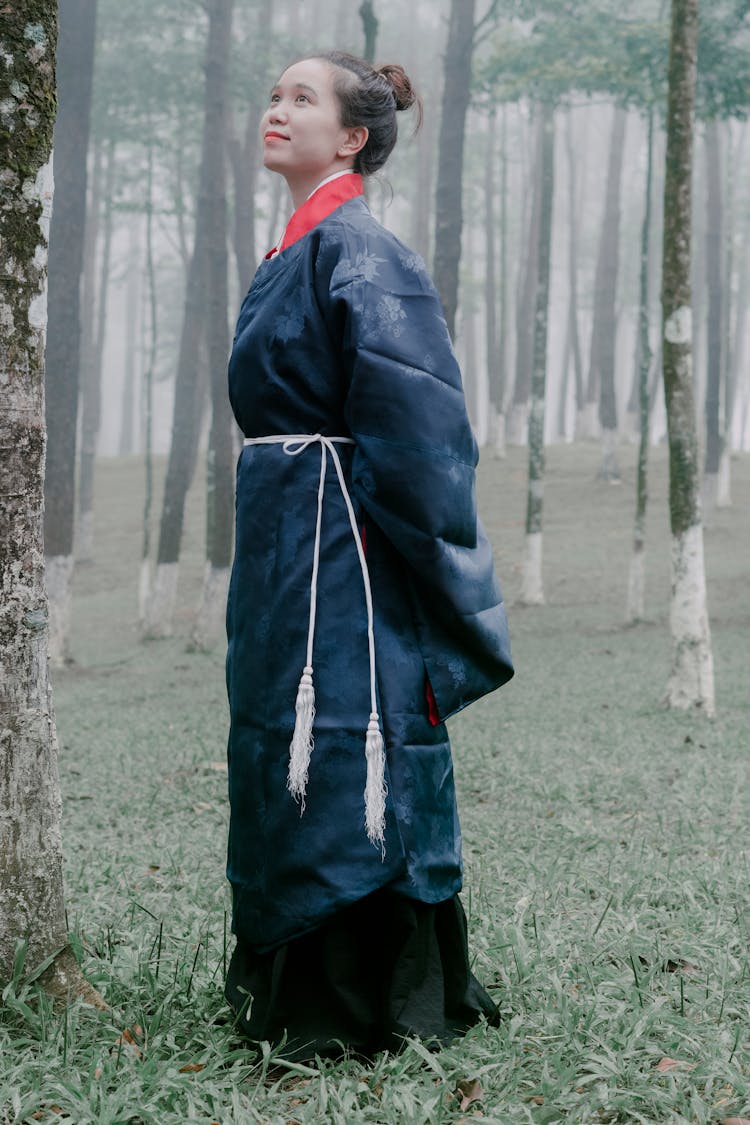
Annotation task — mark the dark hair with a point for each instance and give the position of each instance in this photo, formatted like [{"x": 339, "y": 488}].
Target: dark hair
[{"x": 371, "y": 96}]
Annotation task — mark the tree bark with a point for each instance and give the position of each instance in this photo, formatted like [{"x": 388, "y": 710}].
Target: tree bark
[
  {"x": 220, "y": 465},
  {"x": 715, "y": 349},
  {"x": 75, "y": 62},
  {"x": 532, "y": 587},
  {"x": 32, "y": 910},
  {"x": 448, "y": 195},
  {"x": 637, "y": 575},
  {"x": 691, "y": 683},
  {"x": 495, "y": 373}
]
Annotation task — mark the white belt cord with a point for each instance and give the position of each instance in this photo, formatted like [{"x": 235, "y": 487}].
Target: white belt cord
[{"x": 302, "y": 743}]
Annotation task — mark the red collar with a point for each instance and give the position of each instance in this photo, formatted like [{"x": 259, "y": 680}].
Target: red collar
[{"x": 318, "y": 206}]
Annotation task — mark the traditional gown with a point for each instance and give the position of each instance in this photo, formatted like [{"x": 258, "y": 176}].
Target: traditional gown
[{"x": 340, "y": 940}]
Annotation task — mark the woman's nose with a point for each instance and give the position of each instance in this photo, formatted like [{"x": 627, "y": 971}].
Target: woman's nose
[{"x": 277, "y": 112}]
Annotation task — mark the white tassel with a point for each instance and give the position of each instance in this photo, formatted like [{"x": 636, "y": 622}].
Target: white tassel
[
  {"x": 301, "y": 746},
  {"x": 375, "y": 787}
]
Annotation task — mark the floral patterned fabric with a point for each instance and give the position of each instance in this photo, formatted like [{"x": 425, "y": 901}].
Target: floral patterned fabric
[{"x": 342, "y": 334}]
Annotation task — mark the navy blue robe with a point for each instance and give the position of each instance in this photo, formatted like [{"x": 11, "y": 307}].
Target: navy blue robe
[{"x": 343, "y": 334}]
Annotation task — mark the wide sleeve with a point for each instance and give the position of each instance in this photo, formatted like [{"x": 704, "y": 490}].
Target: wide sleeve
[{"x": 414, "y": 463}]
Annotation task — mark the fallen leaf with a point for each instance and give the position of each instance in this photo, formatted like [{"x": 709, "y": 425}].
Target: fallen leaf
[
  {"x": 192, "y": 1068},
  {"x": 153, "y": 868},
  {"x": 219, "y": 767},
  {"x": 735, "y": 1121},
  {"x": 665, "y": 1065},
  {"x": 537, "y": 1099},
  {"x": 202, "y": 806},
  {"x": 469, "y": 1090},
  {"x": 130, "y": 1039}
]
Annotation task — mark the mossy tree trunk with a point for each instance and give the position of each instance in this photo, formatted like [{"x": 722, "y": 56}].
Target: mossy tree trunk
[
  {"x": 532, "y": 588},
  {"x": 31, "y": 884},
  {"x": 448, "y": 193},
  {"x": 75, "y": 65},
  {"x": 691, "y": 683}
]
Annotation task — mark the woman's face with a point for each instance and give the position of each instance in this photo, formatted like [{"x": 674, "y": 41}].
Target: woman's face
[{"x": 303, "y": 138}]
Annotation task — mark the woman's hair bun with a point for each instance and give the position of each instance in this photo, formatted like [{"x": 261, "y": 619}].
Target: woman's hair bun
[{"x": 400, "y": 83}]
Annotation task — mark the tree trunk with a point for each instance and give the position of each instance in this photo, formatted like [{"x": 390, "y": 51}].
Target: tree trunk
[
  {"x": 532, "y": 588},
  {"x": 188, "y": 394},
  {"x": 75, "y": 61},
  {"x": 604, "y": 330},
  {"x": 691, "y": 683},
  {"x": 370, "y": 29},
  {"x": 574, "y": 334},
  {"x": 220, "y": 464},
  {"x": 244, "y": 157},
  {"x": 88, "y": 317},
  {"x": 492, "y": 342},
  {"x": 637, "y": 576},
  {"x": 517, "y": 422},
  {"x": 503, "y": 348},
  {"x": 714, "y": 335},
  {"x": 448, "y": 195},
  {"x": 32, "y": 910},
  {"x": 126, "y": 444},
  {"x": 144, "y": 581},
  {"x": 91, "y": 379}
]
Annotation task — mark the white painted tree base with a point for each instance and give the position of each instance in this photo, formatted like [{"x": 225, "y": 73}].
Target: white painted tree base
[
  {"x": 588, "y": 427},
  {"x": 144, "y": 591},
  {"x": 691, "y": 683},
  {"x": 709, "y": 491},
  {"x": 159, "y": 617},
  {"x": 517, "y": 429},
  {"x": 532, "y": 590},
  {"x": 724, "y": 483},
  {"x": 499, "y": 450},
  {"x": 609, "y": 470},
  {"x": 85, "y": 537},
  {"x": 635, "y": 610},
  {"x": 58, "y": 571},
  {"x": 209, "y": 623}
]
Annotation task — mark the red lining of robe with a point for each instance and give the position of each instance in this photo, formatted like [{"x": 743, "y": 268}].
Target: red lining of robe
[{"x": 318, "y": 206}]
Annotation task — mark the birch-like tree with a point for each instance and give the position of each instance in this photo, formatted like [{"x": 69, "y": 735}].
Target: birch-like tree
[
  {"x": 691, "y": 683},
  {"x": 31, "y": 883}
]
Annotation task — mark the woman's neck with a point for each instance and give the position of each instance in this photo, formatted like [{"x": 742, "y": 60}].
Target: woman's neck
[{"x": 301, "y": 190}]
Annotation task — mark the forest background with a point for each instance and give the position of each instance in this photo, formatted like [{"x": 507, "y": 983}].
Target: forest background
[{"x": 609, "y": 908}]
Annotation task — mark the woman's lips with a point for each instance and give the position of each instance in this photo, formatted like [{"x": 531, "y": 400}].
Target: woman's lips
[{"x": 273, "y": 136}]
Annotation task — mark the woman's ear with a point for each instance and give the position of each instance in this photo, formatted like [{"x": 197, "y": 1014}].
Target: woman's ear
[{"x": 356, "y": 139}]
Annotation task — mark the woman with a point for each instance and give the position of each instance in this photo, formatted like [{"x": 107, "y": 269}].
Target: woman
[{"x": 362, "y": 589}]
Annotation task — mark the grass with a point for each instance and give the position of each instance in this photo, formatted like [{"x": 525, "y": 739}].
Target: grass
[{"x": 606, "y": 848}]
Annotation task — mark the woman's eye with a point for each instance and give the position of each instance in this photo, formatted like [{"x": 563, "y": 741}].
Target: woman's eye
[
  {"x": 274, "y": 99},
  {"x": 302, "y": 97}
]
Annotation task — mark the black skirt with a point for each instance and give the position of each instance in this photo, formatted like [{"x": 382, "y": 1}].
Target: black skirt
[{"x": 381, "y": 969}]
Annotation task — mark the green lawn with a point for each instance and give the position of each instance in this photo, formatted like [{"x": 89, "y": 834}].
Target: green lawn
[{"x": 606, "y": 846}]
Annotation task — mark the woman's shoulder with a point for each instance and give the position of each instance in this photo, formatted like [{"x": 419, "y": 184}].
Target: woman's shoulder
[{"x": 356, "y": 247}]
